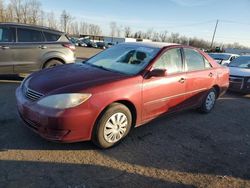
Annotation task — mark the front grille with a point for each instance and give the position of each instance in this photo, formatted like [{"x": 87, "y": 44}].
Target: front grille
[
  {"x": 236, "y": 82},
  {"x": 32, "y": 95}
]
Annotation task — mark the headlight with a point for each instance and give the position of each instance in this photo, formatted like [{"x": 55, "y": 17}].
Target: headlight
[{"x": 64, "y": 101}]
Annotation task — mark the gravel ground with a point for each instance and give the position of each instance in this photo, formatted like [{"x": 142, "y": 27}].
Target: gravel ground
[{"x": 182, "y": 150}]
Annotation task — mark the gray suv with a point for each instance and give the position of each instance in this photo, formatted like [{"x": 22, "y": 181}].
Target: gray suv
[{"x": 25, "y": 48}]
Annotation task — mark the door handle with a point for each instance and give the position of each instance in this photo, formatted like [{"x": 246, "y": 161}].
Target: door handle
[
  {"x": 211, "y": 74},
  {"x": 4, "y": 47},
  {"x": 182, "y": 80},
  {"x": 43, "y": 47}
]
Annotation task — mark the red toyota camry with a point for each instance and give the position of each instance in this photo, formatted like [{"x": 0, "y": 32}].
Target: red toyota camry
[{"x": 123, "y": 87}]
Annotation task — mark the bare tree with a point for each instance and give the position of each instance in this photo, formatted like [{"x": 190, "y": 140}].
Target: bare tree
[
  {"x": 119, "y": 30},
  {"x": 174, "y": 37},
  {"x": 42, "y": 19},
  {"x": 66, "y": 19},
  {"x": 51, "y": 20},
  {"x": 138, "y": 35},
  {"x": 9, "y": 14},
  {"x": 84, "y": 28},
  {"x": 16, "y": 6},
  {"x": 74, "y": 28},
  {"x": 24, "y": 11},
  {"x": 127, "y": 31},
  {"x": 149, "y": 33},
  {"x": 113, "y": 28},
  {"x": 34, "y": 11},
  {"x": 155, "y": 37},
  {"x": 2, "y": 17},
  {"x": 184, "y": 40},
  {"x": 94, "y": 29},
  {"x": 163, "y": 36}
]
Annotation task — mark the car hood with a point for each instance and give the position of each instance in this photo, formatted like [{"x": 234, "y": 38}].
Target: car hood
[
  {"x": 221, "y": 61},
  {"x": 235, "y": 71},
  {"x": 68, "y": 76}
]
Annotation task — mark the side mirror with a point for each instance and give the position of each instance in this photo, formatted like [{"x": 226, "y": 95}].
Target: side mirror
[{"x": 158, "y": 73}]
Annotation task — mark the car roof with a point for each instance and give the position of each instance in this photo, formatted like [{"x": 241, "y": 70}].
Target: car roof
[
  {"x": 152, "y": 44},
  {"x": 31, "y": 27},
  {"x": 224, "y": 53}
]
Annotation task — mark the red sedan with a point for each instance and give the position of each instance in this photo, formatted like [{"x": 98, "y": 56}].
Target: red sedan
[{"x": 120, "y": 88}]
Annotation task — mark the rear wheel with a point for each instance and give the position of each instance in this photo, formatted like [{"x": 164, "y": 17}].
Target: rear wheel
[
  {"x": 113, "y": 125},
  {"x": 209, "y": 101},
  {"x": 52, "y": 63}
]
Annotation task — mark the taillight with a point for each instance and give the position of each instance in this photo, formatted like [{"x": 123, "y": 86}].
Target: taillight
[{"x": 70, "y": 46}]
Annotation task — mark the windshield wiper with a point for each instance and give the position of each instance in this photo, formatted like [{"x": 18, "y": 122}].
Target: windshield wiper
[
  {"x": 98, "y": 66},
  {"x": 103, "y": 68}
]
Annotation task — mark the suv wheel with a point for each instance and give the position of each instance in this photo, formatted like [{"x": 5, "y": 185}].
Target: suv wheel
[
  {"x": 52, "y": 63},
  {"x": 113, "y": 126}
]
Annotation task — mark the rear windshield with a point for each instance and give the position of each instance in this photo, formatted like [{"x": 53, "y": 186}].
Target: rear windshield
[{"x": 51, "y": 37}]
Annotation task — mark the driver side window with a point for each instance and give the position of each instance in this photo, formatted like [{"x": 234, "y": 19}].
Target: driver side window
[{"x": 171, "y": 61}]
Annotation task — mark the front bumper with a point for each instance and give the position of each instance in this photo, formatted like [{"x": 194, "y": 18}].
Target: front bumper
[
  {"x": 239, "y": 84},
  {"x": 71, "y": 125}
]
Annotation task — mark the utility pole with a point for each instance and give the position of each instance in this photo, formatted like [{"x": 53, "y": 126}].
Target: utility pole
[{"x": 215, "y": 29}]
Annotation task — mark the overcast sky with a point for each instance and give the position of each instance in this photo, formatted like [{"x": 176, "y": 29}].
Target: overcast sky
[{"x": 188, "y": 17}]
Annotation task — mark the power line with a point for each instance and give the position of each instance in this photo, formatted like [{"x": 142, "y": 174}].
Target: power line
[
  {"x": 192, "y": 24},
  {"x": 235, "y": 22}
]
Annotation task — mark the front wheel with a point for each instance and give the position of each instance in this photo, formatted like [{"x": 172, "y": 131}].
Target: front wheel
[
  {"x": 113, "y": 125},
  {"x": 209, "y": 101}
]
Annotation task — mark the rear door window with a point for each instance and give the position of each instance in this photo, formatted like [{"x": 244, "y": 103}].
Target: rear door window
[
  {"x": 194, "y": 60},
  {"x": 7, "y": 34},
  {"x": 51, "y": 37},
  {"x": 29, "y": 35}
]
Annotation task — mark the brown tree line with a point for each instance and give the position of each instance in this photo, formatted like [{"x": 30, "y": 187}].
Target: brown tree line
[{"x": 30, "y": 12}]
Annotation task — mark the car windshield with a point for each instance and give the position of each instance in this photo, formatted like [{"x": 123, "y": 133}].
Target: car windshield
[
  {"x": 241, "y": 62},
  {"x": 124, "y": 58},
  {"x": 220, "y": 56}
]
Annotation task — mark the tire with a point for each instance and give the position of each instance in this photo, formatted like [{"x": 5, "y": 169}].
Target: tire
[
  {"x": 209, "y": 101},
  {"x": 107, "y": 132},
  {"x": 52, "y": 63}
]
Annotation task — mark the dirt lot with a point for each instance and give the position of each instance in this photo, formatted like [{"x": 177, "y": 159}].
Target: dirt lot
[{"x": 185, "y": 150}]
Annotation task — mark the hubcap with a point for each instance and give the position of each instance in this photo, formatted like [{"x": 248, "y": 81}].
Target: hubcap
[
  {"x": 115, "y": 127},
  {"x": 52, "y": 65},
  {"x": 210, "y": 100}
]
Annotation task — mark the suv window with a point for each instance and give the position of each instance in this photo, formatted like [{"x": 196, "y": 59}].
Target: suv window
[
  {"x": 51, "y": 37},
  {"x": 7, "y": 34},
  {"x": 171, "y": 61},
  {"x": 194, "y": 60},
  {"x": 29, "y": 35}
]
